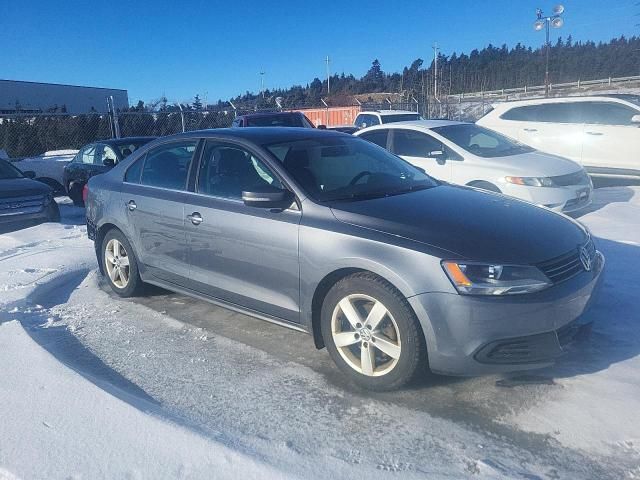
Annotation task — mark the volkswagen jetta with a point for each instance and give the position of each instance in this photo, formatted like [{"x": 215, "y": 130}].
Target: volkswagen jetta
[{"x": 331, "y": 235}]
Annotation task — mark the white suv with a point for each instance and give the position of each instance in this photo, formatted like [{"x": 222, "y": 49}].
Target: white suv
[
  {"x": 600, "y": 132},
  {"x": 377, "y": 117}
]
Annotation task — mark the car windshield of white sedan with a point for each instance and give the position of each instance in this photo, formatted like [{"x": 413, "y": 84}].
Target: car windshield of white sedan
[
  {"x": 481, "y": 141},
  {"x": 8, "y": 171},
  {"x": 332, "y": 169}
]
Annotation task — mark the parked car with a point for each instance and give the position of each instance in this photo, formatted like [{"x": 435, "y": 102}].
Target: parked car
[
  {"x": 49, "y": 167},
  {"x": 467, "y": 154},
  {"x": 97, "y": 158},
  {"x": 273, "y": 119},
  {"x": 378, "y": 117},
  {"x": 600, "y": 132},
  {"x": 328, "y": 234},
  {"x": 23, "y": 201}
]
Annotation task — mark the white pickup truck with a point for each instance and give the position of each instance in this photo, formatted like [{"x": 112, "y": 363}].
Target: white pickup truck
[{"x": 48, "y": 167}]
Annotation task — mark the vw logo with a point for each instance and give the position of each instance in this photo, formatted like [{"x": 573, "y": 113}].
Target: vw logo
[{"x": 585, "y": 258}]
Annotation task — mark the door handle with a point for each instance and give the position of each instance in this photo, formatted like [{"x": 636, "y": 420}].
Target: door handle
[
  {"x": 195, "y": 218},
  {"x": 595, "y": 134},
  {"x": 132, "y": 205},
  {"x": 530, "y": 129}
]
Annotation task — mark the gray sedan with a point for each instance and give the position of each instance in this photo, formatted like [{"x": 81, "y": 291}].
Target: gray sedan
[{"x": 331, "y": 235}]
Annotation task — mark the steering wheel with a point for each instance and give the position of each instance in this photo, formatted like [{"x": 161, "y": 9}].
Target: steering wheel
[{"x": 355, "y": 179}]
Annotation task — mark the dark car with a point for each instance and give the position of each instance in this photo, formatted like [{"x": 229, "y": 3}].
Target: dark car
[
  {"x": 331, "y": 235},
  {"x": 344, "y": 128},
  {"x": 23, "y": 201},
  {"x": 273, "y": 119},
  {"x": 97, "y": 158}
]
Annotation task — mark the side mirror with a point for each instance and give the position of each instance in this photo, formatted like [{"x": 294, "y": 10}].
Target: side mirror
[
  {"x": 29, "y": 174},
  {"x": 267, "y": 197},
  {"x": 635, "y": 119},
  {"x": 321, "y": 127},
  {"x": 109, "y": 162}
]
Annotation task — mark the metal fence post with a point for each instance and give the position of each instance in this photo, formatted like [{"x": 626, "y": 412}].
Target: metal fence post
[
  {"x": 116, "y": 124},
  {"x": 181, "y": 116}
]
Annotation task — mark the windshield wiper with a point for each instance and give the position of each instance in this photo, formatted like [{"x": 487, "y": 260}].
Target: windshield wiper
[{"x": 382, "y": 193}]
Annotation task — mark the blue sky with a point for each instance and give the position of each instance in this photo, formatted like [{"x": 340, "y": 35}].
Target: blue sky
[{"x": 217, "y": 49}]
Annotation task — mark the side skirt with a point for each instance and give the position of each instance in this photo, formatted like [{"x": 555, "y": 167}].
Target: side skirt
[{"x": 227, "y": 305}]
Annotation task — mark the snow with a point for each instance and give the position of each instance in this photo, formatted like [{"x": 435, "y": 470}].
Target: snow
[{"x": 98, "y": 387}]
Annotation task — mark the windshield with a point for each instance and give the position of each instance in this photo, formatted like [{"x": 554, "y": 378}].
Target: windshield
[
  {"x": 278, "y": 120},
  {"x": 348, "y": 169},
  {"x": 481, "y": 141},
  {"x": 401, "y": 117},
  {"x": 8, "y": 171}
]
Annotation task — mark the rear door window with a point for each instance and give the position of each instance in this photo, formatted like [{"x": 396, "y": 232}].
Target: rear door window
[
  {"x": 379, "y": 137},
  {"x": 546, "y": 113},
  {"x": 607, "y": 113},
  {"x": 167, "y": 166}
]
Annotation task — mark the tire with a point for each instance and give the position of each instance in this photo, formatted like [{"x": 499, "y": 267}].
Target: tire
[
  {"x": 124, "y": 279},
  {"x": 488, "y": 186},
  {"x": 75, "y": 194},
  {"x": 53, "y": 212},
  {"x": 360, "y": 355}
]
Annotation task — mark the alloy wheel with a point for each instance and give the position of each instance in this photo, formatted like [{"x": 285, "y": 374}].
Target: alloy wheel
[
  {"x": 116, "y": 262},
  {"x": 366, "y": 335}
]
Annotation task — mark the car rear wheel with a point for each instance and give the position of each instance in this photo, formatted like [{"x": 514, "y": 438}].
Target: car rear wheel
[
  {"x": 371, "y": 332},
  {"x": 75, "y": 194},
  {"x": 120, "y": 264}
]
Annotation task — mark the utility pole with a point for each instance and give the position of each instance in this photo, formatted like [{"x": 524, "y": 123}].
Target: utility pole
[
  {"x": 328, "y": 77},
  {"x": 262, "y": 84},
  {"x": 435, "y": 70}
]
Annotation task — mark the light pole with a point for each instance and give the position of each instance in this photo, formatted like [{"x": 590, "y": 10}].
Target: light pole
[
  {"x": 262, "y": 84},
  {"x": 541, "y": 22}
]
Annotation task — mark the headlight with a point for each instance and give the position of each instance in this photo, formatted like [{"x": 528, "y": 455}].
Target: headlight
[
  {"x": 471, "y": 278},
  {"x": 531, "y": 181}
]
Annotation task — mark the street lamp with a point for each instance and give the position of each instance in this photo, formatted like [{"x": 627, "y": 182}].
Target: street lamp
[{"x": 541, "y": 22}]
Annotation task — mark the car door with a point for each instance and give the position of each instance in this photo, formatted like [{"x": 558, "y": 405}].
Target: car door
[
  {"x": 611, "y": 139},
  {"x": 243, "y": 255},
  {"x": 419, "y": 149},
  {"x": 153, "y": 195},
  {"x": 551, "y": 127}
]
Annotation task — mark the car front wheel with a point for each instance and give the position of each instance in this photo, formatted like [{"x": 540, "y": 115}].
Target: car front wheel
[
  {"x": 120, "y": 264},
  {"x": 371, "y": 332}
]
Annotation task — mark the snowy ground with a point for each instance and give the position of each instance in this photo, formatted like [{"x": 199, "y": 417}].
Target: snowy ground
[{"x": 93, "y": 386}]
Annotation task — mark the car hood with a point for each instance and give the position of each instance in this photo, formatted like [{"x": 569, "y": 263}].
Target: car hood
[
  {"x": 22, "y": 187},
  {"x": 535, "y": 164},
  {"x": 470, "y": 223}
]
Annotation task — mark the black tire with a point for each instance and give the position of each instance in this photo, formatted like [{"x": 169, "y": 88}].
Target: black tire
[
  {"x": 413, "y": 353},
  {"x": 75, "y": 194},
  {"x": 53, "y": 212},
  {"x": 134, "y": 285},
  {"x": 488, "y": 186}
]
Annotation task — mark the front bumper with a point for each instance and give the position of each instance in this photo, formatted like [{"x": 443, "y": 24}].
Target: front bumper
[
  {"x": 474, "y": 335},
  {"x": 560, "y": 199},
  {"x": 9, "y": 223}
]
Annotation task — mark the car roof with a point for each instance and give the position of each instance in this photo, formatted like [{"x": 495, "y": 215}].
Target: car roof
[
  {"x": 423, "y": 124},
  {"x": 261, "y": 135},
  {"x": 126, "y": 140},
  {"x": 268, "y": 114},
  {"x": 389, "y": 112},
  {"x": 565, "y": 99}
]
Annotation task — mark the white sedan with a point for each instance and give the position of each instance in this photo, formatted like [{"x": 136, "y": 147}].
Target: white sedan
[{"x": 467, "y": 154}]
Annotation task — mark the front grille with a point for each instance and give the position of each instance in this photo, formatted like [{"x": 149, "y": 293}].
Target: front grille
[
  {"x": 578, "y": 178},
  {"x": 568, "y": 265},
  {"x": 21, "y": 205}
]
